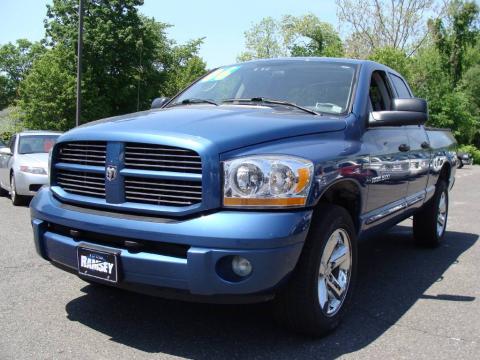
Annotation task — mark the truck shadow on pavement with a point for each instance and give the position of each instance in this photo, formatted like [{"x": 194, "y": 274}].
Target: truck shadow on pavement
[{"x": 393, "y": 275}]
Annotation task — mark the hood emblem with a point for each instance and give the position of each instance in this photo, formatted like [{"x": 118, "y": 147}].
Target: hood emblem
[{"x": 111, "y": 172}]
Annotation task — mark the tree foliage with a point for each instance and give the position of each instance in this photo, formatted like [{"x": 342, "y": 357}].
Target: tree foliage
[
  {"x": 15, "y": 62},
  {"x": 291, "y": 36},
  {"x": 127, "y": 61},
  {"x": 454, "y": 34},
  {"x": 263, "y": 40},
  {"x": 397, "y": 24}
]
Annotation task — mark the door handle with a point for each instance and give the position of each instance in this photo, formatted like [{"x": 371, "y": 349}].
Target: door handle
[
  {"x": 404, "y": 148},
  {"x": 425, "y": 145}
]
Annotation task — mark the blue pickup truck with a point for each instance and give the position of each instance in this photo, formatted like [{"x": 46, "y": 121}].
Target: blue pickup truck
[{"x": 253, "y": 184}]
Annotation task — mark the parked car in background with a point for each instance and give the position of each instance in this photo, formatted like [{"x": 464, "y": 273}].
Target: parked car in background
[
  {"x": 24, "y": 163},
  {"x": 464, "y": 159},
  {"x": 2, "y": 144}
]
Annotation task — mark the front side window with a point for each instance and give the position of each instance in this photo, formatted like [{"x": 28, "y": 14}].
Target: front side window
[
  {"x": 380, "y": 96},
  {"x": 32, "y": 144},
  {"x": 316, "y": 85}
]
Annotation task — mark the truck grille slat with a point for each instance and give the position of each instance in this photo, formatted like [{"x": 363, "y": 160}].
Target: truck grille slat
[
  {"x": 165, "y": 190},
  {"x": 84, "y": 153},
  {"x": 137, "y": 189},
  {"x": 159, "y": 183},
  {"x": 158, "y": 202},
  {"x": 162, "y": 158}
]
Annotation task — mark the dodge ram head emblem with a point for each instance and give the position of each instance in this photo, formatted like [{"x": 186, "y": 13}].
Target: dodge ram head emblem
[{"x": 111, "y": 172}]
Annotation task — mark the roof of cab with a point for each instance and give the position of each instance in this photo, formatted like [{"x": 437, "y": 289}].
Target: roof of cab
[{"x": 367, "y": 63}]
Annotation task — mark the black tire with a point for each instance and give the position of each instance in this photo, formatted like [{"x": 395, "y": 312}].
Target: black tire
[
  {"x": 3, "y": 192},
  {"x": 460, "y": 163},
  {"x": 17, "y": 200},
  {"x": 297, "y": 305},
  {"x": 426, "y": 222}
]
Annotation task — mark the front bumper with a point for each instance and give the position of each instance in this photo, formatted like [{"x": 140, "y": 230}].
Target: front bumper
[
  {"x": 271, "y": 241},
  {"x": 24, "y": 180}
]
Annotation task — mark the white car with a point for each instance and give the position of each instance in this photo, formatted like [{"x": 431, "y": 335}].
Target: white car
[{"x": 24, "y": 164}]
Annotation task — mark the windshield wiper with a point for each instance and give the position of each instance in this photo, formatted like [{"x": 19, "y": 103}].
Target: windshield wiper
[
  {"x": 271, "y": 101},
  {"x": 195, "y": 101}
]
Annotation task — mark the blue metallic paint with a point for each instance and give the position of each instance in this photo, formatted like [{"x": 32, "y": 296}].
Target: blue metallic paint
[{"x": 343, "y": 149}]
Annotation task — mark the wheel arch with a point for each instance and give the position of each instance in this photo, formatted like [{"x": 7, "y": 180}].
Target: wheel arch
[
  {"x": 345, "y": 193},
  {"x": 445, "y": 173}
]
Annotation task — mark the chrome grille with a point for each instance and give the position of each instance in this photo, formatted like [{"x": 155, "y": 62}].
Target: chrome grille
[
  {"x": 81, "y": 183},
  {"x": 161, "y": 158},
  {"x": 163, "y": 192},
  {"x": 83, "y": 153}
]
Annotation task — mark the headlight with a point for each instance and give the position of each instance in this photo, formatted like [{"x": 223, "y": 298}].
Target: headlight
[
  {"x": 33, "y": 170},
  {"x": 267, "y": 181}
]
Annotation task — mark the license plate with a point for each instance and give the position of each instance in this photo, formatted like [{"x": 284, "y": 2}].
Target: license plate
[{"x": 97, "y": 264}]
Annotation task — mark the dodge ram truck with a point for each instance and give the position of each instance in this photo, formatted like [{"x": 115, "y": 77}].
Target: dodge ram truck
[{"x": 255, "y": 183}]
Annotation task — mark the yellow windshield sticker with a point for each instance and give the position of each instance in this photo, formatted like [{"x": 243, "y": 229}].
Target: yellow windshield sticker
[{"x": 220, "y": 74}]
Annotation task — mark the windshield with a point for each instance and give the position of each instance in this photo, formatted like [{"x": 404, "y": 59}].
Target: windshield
[
  {"x": 32, "y": 144},
  {"x": 316, "y": 85}
]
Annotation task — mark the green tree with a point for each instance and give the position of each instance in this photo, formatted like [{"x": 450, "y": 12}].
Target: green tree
[
  {"x": 394, "y": 58},
  {"x": 47, "y": 95},
  {"x": 448, "y": 106},
  {"x": 454, "y": 34},
  {"x": 308, "y": 36},
  {"x": 291, "y": 36},
  {"x": 127, "y": 61},
  {"x": 263, "y": 40},
  {"x": 15, "y": 62}
]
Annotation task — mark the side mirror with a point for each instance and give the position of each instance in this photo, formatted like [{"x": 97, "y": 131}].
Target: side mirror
[
  {"x": 159, "y": 102},
  {"x": 404, "y": 112},
  {"x": 5, "y": 151}
]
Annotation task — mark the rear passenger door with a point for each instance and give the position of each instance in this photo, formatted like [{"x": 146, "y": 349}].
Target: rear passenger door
[{"x": 419, "y": 153}]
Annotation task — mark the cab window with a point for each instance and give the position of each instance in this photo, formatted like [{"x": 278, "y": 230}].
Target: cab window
[
  {"x": 401, "y": 87},
  {"x": 380, "y": 93}
]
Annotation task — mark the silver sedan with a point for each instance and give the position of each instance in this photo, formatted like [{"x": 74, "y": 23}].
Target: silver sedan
[{"x": 24, "y": 164}]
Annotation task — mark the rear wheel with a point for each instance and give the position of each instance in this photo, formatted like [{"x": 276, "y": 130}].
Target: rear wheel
[
  {"x": 430, "y": 223},
  {"x": 460, "y": 163},
  {"x": 17, "y": 200},
  {"x": 319, "y": 292}
]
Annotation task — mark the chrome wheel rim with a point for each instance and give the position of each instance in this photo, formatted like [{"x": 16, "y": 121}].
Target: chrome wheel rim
[
  {"x": 442, "y": 214},
  {"x": 334, "y": 273}
]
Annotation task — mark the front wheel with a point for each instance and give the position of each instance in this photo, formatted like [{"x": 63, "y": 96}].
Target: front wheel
[
  {"x": 430, "y": 223},
  {"x": 17, "y": 200},
  {"x": 319, "y": 292}
]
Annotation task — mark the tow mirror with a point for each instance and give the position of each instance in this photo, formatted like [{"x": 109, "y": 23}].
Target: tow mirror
[
  {"x": 159, "y": 102},
  {"x": 404, "y": 112}
]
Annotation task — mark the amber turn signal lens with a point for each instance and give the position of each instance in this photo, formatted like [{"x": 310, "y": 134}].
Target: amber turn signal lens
[{"x": 303, "y": 179}]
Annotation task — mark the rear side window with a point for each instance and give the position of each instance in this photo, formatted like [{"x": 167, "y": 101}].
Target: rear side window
[{"x": 401, "y": 87}]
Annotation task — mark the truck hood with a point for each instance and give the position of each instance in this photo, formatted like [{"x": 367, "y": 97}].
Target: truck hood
[{"x": 224, "y": 128}]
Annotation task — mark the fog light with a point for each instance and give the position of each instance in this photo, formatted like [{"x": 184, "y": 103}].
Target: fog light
[{"x": 241, "y": 266}]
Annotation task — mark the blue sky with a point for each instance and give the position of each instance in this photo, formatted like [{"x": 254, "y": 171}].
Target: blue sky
[{"x": 221, "y": 22}]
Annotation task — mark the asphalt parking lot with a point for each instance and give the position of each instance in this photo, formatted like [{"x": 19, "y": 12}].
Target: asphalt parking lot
[{"x": 410, "y": 303}]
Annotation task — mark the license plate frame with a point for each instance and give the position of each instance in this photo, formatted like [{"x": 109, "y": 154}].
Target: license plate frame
[{"x": 98, "y": 264}]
